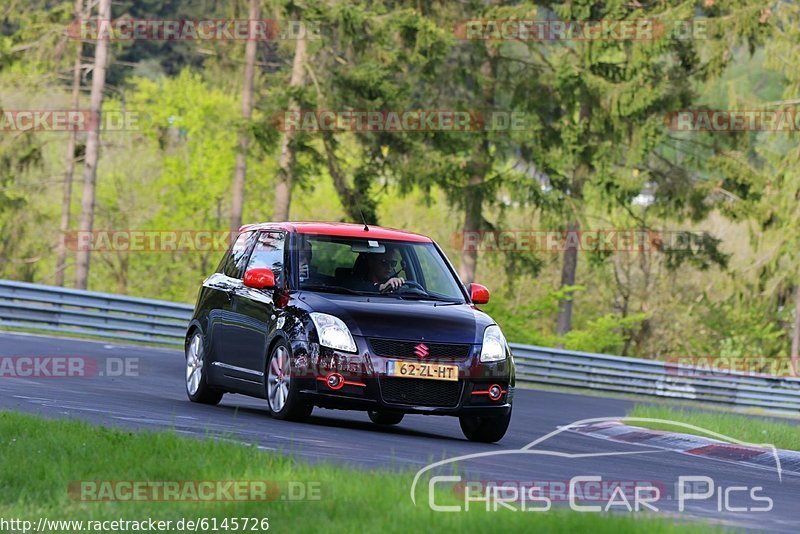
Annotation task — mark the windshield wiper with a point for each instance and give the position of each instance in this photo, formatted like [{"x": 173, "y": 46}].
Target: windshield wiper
[
  {"x": 412, "y": 296},
  {"x": 333, "y": 289}
]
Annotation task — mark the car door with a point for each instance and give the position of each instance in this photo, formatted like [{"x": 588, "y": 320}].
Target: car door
[
  {"x": 256, "y": 312},
  {"x": 222, "y": 320}
]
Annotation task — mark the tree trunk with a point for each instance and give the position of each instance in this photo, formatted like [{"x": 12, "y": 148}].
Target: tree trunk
[
  {"x": 570, "y": 265},
  {"x": 92, "y": 147},
  {"x": 355, "y": 201},
  {"x": 474, "y": 194},
  {"x": 61, "y": 251},
  {"x": 796, "y": 333},
  {"x": 247, "y": 112},
  {"x": 122, "y": 275},
  {"x": 473, "y": 222},
  {"x": 568, "y": 270},
  {"x": 348, "y": 196},
  {"x": 283, "y": 188}
]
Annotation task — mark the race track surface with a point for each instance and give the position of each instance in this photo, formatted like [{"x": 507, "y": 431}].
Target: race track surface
[{"x": 156, "y": 399}]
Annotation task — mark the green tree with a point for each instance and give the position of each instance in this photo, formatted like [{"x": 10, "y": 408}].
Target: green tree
[
  {"x": 33, "y": 42},
  {"x": 607, "y": 102},
  {"x": 92, "y": 146},
  {"x": 70, "y": 160},
  {"x": 761, "y": 181}
]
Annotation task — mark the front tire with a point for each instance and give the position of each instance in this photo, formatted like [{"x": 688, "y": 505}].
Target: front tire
[
  {"x": 385, "y": 418},
  {"x": 197, "y": 388},
  {"x": 283, "y": 397},
  {"x": 485, "y": 429}
]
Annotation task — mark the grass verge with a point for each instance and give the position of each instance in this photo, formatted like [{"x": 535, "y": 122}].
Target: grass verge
[
  {"x": 747, "y": 429},
  {"x": 40, "y": 458}
]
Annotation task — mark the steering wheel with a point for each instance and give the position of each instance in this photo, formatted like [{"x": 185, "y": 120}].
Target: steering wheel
[{"x": 409, "y": 285}]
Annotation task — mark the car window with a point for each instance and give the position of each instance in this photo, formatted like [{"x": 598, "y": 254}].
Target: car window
[
  {"x": 224, "y": 262},
  {"x": 269, "y": 253},
  {"x": 234, "y": 262},
  {"x": 341, "y": 263},
  {"x": 437, "y": 277},
  {"x": 330, "y": 256}
]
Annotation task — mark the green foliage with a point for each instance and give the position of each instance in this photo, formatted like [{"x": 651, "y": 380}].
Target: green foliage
[
  {"x": 594, "y": 141},
  {"x": 18, "y": 256},
  {"x": 190, "y": 127},
  {"x": 700, "y": 251},
  {"x": 194, "y": 126},
  {"x": 734, "y": 327},
  {"x": 518, "y": 321},
  {"x": 606, "y": 334}
]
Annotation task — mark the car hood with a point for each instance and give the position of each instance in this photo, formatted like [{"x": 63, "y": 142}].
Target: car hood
[{"x": 392, "y": 318}]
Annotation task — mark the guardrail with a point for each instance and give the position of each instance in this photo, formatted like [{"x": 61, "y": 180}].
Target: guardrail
[
  {"x": 71, "y": 311},
  {"x": 619, "y": 374},
  {"x": 59, "y": 310}
]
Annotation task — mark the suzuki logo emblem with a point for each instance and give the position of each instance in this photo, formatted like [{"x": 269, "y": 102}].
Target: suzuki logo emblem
[{"x": 421, "y": 350}]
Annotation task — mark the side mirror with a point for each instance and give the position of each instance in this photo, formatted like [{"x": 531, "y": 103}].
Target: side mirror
[
  {"x": 478, "y": 294},
  {"x": 260, "y": 278}
]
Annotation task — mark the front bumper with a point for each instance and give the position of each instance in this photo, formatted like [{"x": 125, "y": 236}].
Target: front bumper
[{"x": 366, "y": 385}]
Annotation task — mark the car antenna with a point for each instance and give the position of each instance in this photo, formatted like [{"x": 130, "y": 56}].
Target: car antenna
[{"x": 363, "y": 219}]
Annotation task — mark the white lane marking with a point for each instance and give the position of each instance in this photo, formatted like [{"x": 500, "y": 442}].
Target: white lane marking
[
  {"x": 84, "y": 409},
  {"x": 147, "y": 420},
  {"x": 34, "y": 398},
  {"x": 52, "y": 403}
]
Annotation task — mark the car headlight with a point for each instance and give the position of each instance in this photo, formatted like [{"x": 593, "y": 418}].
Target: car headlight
[
  {"x": 333, "y": 333},
  {"x": 494, "y": 345}
]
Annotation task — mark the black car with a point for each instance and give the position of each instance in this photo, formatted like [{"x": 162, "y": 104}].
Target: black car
[{"x": 349, "y": 317}]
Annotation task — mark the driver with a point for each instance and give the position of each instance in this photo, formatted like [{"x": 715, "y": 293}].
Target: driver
[
  {"x": 307, "y": 272},
  {"x": 382, "y": 272},
  {"x": 306, "y": 253}
]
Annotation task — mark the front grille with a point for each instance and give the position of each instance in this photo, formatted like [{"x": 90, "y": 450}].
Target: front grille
[
  {"x": 420, "y": 392},
  {"x": 405, "y": 349}
]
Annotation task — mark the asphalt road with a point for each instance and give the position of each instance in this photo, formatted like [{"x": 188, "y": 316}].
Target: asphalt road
[{"x": 152, "y": 396}]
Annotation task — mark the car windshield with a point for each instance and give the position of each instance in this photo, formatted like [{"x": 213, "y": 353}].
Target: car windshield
[{"x": 348, "y": 265}]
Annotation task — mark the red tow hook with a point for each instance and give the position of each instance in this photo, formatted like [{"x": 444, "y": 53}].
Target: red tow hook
[{"x": 336, "y": 381}]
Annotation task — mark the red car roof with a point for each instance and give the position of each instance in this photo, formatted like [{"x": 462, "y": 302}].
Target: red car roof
[{"x": 341, "y": 229}]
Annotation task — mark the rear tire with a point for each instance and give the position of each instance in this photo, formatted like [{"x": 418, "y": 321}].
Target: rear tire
[
  {"x": 484, "y": 429},
  {"x": 385, "y": 418},
  {"x": 197, "y": 388},
  {"x": 283, "y": 397}
]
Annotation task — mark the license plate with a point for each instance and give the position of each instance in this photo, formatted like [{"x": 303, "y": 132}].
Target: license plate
[{"x": 430, "y": 371}]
